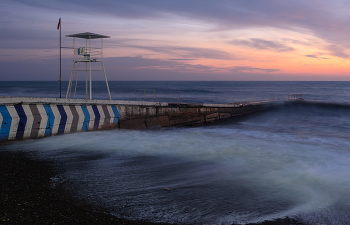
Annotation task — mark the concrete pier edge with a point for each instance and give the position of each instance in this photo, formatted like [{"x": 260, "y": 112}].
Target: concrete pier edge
[{"x": 33, "y": 117}]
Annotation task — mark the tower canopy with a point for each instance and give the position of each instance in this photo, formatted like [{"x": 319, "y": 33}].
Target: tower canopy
[{"x": 87, "y": 35}]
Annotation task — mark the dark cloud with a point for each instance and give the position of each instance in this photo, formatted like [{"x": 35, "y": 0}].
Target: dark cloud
[
  {"x": 13, "y": 38},
  {"x": 338, "y": 51},
  {"x": 203, "y": 53},
  {"x": 252, "y": 69},
  {"x": 262, "y": 44},
  {"x": 182, "y": 59},
  {"x": 117, "y": 68},
  {"x": 140, "y": 64},
  {"x": 325, "y": 19},
  {"x": 31, "y": 37},
  {"x": 230, "y": 13},
  {"x": 312, "y": 56},
  {"x": 188, "y": 52},
  {"x": 316, "y": 57},
  {"x": 220, "y": 10},
  {"x": 317, "y": 14}
]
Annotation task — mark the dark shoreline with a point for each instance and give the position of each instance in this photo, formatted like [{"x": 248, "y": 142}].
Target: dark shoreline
[{"x": 28, "y": 195}]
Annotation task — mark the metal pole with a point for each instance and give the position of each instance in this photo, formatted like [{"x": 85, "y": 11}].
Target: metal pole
[
  {"x": 86, "y": 75},
  {"x": 90, "y": 65},
  {"x": 60, "y": 60}
]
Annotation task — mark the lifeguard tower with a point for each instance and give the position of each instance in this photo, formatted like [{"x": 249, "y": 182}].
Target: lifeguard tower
[{"x": 83, "y": 58}]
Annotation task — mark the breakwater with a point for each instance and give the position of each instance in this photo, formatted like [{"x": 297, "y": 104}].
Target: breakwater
[{"x": 30, "y": 117}]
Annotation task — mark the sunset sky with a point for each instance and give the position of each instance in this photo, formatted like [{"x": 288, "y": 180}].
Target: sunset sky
[{"x": 181, "y": 39}]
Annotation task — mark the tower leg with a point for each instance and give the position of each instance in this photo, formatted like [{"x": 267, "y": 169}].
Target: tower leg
[
  {"x": 109, "y": 93},
  {"x": 90, "y": 66},
  {"x": 86, "y": 72},
  {"x": 86, "y": 81},
  {"x": 70, "y": 80},
  {"x": 90, "y": 81},
  {"x": 76, "y": 81}
]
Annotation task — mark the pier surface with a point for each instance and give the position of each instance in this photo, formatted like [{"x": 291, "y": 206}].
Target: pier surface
[{"x": 30, "y": 117}]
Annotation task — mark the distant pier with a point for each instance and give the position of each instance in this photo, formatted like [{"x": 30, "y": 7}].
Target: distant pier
[{"x": 30, "y": 117}]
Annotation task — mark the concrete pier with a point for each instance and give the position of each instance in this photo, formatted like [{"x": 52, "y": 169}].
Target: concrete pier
[{"x": 28, "y": 117}]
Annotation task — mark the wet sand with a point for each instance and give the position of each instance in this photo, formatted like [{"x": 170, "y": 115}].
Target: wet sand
[{"x": 28, "y": 195}]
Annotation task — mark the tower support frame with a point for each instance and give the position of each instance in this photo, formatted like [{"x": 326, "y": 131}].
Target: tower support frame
[{"x": 86, "y": 55}]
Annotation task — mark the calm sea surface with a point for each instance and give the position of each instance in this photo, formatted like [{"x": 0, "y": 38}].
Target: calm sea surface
[{"x": 291, "y": 161}]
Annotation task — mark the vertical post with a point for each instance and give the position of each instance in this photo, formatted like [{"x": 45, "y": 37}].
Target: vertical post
[
  {"x": 86, "y": 87},
  {"x": 90, "y": 65},
  {"x": 60, "y": 59}
]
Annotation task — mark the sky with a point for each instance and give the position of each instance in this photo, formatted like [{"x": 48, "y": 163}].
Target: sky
[{"x": 197, "y": 40}]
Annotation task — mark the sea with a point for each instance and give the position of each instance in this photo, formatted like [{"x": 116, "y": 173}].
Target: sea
[{"x": 290, "y": 161}]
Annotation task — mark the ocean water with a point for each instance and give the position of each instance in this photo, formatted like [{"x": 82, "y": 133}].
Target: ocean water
[
  {"x": 293, "y": 160},
  {"x": 188, "y": 92}
]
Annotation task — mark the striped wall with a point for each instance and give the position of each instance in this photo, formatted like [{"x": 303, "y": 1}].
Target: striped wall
[{"x": 23, "y": 121}]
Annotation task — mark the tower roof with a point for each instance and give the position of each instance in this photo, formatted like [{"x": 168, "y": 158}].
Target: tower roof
[{"x": 88, "y": 35}]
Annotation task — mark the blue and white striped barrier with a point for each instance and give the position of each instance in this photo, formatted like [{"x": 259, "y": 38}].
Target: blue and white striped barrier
[{"x": 23, "y": 121}]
